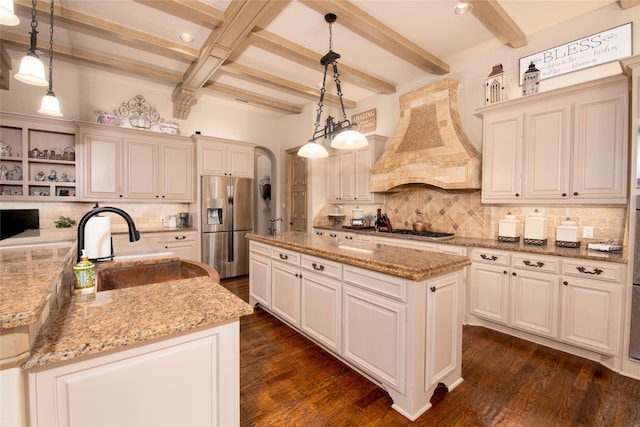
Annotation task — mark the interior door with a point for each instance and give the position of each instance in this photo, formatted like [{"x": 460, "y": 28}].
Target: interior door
[{"x": 296, "y": 185}]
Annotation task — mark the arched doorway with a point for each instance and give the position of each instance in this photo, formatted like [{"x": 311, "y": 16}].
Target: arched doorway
[{"x": 266, "y": 189}]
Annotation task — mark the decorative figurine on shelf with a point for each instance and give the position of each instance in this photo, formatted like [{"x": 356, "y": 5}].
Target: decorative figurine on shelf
[
  {"x": 40, "y": 176},
  {"x": 64, "y": 177},
  {"x": 3, "y": 172},
  {"x": 530, "y": 80},
  {"x": 495, "y": 86},
  {"x": 17, "y": 173},
  {"x": 53, "y": 175}
]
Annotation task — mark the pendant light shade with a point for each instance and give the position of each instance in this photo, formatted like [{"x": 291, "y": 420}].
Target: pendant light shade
[
  {"x": 7, "y": 17},
  {"x": 349, "y": 139},
  {"x": 344, "y": 136},
  {"x": 50, "y": 105},
  {"x": 31, "y": 69},
  {"x": 313, "y": 150}
]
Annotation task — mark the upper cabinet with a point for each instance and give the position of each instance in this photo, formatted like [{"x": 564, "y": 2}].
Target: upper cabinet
[
  {"x": 135, "y": 165},
  {"x": 218, "y": 156},
  {"x": 348, "y": 172},
  {"x": 37, "y": 159},
  {"x": 563, "y": 146}
]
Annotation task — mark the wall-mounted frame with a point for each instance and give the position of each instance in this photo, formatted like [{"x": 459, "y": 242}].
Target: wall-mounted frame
[
  {"x": 365, "y": 121},
  {"x": 586, "y": 52}
]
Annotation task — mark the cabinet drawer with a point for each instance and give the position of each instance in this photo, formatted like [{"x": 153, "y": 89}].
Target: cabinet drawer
[
  {"x": 391, "y": 286},
  {"x": 488, "y": 256},
  {"x": 188, "y": 236},
  {"x": 286, "y": 256},
  {"x": 260, "y": 248},
  {"x": 535, "y": 263},
  {"x": 349, "y": 237},
  {"x": 608, "y": 271},
  {"x": 322, "y": 266}
]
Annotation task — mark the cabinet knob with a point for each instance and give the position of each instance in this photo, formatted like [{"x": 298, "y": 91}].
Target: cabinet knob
[
  {"x": 433, "y": 289},
  {"x": 120, "y": 195},
  {"x": 514, "y": 274},
  {"x": 157, "y": 196},
  {"x": 564, "y": 194},
  {"x": 576, "y": 193},
  {"x": 517, "y": 194},
  {"x": 504, "y": 272},
  {"x": 565, "y": 283}
]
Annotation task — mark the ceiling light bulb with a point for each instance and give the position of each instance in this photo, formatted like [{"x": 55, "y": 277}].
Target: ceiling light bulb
[
  {"x": 7, "y": 17},
  {"x": 462, "y": 9},
  {"x": 185, "y": 37},
  {"x": 313, "y": 150},
  {"x": 31, "y": 70}
]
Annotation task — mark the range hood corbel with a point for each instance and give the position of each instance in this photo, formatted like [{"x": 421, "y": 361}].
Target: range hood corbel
[{"x": 429, "y": 145}]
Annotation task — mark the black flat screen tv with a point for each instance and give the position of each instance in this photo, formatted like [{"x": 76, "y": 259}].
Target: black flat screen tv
[{"x": 15, "y": 221}]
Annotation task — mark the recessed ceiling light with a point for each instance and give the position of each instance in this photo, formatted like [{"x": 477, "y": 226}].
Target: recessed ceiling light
[
  {"x": 185, "y": 37},
  {"x": 462, "y": 9}
]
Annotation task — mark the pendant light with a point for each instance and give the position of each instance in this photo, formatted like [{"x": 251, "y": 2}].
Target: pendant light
[
  {"x": 50, "y": 105},
  {"x": 344, "y": 136},
  {"x": 7, "y": 17},
  {"x": 31, "y": 69}
]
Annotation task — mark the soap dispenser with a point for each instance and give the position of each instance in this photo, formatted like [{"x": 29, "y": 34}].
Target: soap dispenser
[
  {"x": 535, "y": 229},
  {"x": 509, "y": 229},
  {"x": 85, "y": 275},
  {"x": 567, "y": 234}
]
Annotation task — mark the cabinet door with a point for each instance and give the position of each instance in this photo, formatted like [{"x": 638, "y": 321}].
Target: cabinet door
[
  {"x": 321, "y": 310},
  {"x": 259, "y": 280},
  {"x": 600, "y": 164},
  {"x": 213, "y": 160},
  {"x": 103, "y": 167},
  {"x": 285, "y": 292},
  {"x": 141, "y": 169},
  {"x": 534, "y": 302},
  {"x": 182, "y": 244},
  {"x": 176, "y": 171},
  {"x": 590, "y": 315},
  {"x": 362, "y": 164},
  {"x": 333, "y": 178},
  {"x": 240, "y": 162},
  {"x": 489, "y": 292},
  {"x": 502, "y": 158},
  {"x": 547, "y": 159},
  {"x": 347, "y": 176},
  {"x": 381, "y": 354}
]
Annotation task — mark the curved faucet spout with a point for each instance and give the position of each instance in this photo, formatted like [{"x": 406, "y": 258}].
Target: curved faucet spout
[{"x": 134, "y": 234}]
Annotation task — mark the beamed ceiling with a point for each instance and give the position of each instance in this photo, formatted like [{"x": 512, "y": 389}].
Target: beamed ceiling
[{"x": 267, "y": 52}]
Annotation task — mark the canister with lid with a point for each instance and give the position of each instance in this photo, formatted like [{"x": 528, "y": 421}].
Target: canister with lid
[
  {"x": 535, "y": 229},
  {"x": 509, "y": 229},
  {"x": 567, "y": 234}
]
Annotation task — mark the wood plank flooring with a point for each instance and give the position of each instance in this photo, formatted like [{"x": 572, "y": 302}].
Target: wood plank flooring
[{"x": 287, "y": 380}]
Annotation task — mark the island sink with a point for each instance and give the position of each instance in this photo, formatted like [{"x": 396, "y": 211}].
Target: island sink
[{"x": 122, "y": 275}]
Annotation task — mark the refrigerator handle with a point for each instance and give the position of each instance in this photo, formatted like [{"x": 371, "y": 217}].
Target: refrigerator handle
[{"x": 230, "y": 240}]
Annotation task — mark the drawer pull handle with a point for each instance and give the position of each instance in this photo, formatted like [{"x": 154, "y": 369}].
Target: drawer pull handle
[
  {"x": 348, "y": 237},
  {"x": 333, "y": 235},
  {"x": 531, "y": 264},
  {"x": 433, "y": 289},
  {"x": 596, "y": 271},
  {"x": 284, "y": 256},
  {"x": 180, "y": 237},
  {"x": 317, "y": 267},
  {"x": 488, "y": 258}
]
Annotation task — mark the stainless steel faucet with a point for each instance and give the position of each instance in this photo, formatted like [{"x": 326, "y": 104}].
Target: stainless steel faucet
[
  {"x": 134, "y": 234},
  {"x": 273, "y": 230}
]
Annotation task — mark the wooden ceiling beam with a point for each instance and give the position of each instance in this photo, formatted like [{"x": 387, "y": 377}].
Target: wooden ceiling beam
[
  {"x": 362, "y": 23},
  {"x": 189, "y": 10},
  {"x": 301, "y": 55},
  {"x": 628, "y": 4},
  {"x": 498, "y": 22},
  {"x": 252, "y": 98},
  {"x": 284, "y": 84}
]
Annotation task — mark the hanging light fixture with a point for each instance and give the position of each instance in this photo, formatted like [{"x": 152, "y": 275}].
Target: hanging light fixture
[
  {"x": 50, "y": 105},
  {"x": 7, "y": 17},
  {"x": 31, "y": 69},
  {"x": 344, "y": 136}
]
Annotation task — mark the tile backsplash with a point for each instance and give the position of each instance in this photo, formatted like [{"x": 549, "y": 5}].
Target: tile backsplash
[{"x": 461, "y": 212}]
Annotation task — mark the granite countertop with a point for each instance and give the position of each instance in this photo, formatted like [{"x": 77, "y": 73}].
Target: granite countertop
[
  {"x": 410, "y": 264},
  {"x": 549, "y": 249}
]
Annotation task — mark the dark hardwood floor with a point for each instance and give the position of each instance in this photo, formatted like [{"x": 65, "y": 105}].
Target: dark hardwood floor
[{"x": 287, "y": 380}]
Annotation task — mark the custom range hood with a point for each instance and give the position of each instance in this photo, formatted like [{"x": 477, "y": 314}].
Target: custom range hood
[{"x": 429, "y": 146}]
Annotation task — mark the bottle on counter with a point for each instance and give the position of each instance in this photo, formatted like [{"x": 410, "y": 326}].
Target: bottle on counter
[{"x": 85, "y": 274}]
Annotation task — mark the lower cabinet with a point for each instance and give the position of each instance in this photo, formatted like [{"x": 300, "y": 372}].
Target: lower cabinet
[
  {"x": 182, "y": 243},
  {"x": 259, "y": 275},
  {"x": 573, "y": 301},
  {"x": 285, "y": 292},
  {"x": 193, "y": 379},
  {"x": 321, "y": 310}
]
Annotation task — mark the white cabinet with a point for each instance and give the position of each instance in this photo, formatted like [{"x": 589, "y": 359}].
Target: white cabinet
[
  {"x": 321, "y": 307},
  {"x": 218, "y": 156},
  {"x": 135, "y": 165},
  {"x": 567, "y": 145},
  {"x": 285, "y": 285},
  {"x": 489, "y": 285},
  {"x": 260, "y": 274},
  {"x": 182, "y": 244},
  {"x": 193, "y": 379},
  {"x": 348, "y": 172}
]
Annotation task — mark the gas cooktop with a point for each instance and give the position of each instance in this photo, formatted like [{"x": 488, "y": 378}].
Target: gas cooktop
[{"x": 435, "y": 235}]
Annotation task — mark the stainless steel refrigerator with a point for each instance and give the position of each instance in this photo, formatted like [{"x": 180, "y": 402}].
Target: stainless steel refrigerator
[{"x": 227, "y": 216}]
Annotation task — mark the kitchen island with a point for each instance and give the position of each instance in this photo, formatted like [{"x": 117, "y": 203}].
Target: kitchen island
[
  {"x": 394, "y": 314},
  {"x": 159, "y": 353}
]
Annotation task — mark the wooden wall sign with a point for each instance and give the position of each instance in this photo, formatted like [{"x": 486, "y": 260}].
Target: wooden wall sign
[
  {"x": 365, "y": 121},
  {"x": 589, "y": 51}
]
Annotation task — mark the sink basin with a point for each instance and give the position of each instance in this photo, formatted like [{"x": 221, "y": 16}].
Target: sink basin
[{"x": 126, "y": 275}]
